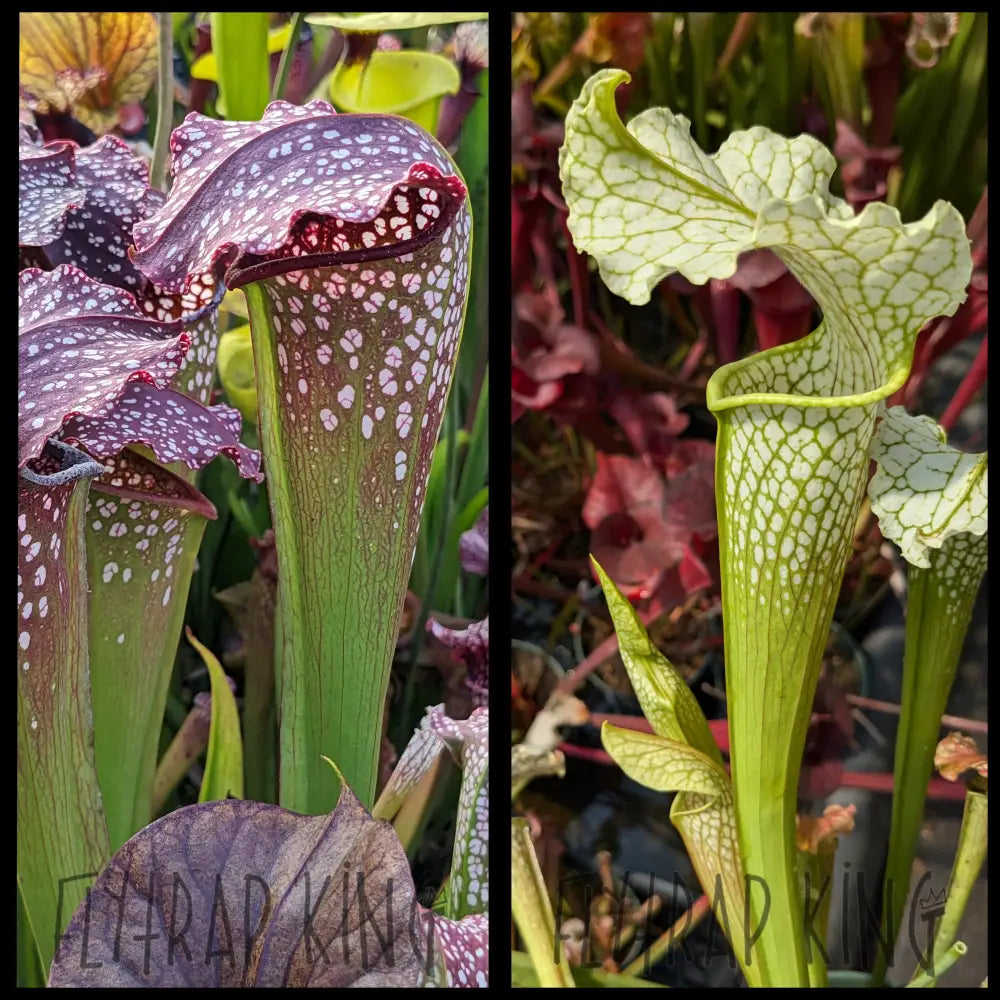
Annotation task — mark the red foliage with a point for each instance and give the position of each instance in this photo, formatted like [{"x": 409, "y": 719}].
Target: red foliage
[
  {"x": 650, "y": 532},
  {"x": 865, "y": 170},
  {"x": 546, "y": 350}
]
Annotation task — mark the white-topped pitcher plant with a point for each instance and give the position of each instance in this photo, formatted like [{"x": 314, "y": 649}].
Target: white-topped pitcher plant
[{"x": 796, "y": 426}]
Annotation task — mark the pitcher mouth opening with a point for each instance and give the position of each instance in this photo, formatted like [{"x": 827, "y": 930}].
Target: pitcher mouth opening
[{"x": 319, "y": 241}]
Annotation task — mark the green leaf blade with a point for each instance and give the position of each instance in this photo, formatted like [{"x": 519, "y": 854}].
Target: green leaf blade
[
  {"x": 224, "y": 762},
  {"x": 532, "y": 911},
  {"x": 666, "y": 700},
  {"x": 240, "y": 44}
]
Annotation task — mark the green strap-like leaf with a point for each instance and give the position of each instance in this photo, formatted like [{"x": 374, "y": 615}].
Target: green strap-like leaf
[
  {"x": 224, "y": 763},
  {"x": 667, "y": 701},
  {"x": 795, "y": 422},
  {"x": 532, "y": 911},
  {"x": 240, "y": 44},
  {"x": 663, "y": 764}
]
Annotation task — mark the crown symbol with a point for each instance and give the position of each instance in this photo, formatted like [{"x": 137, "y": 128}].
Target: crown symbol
[{"x": 933, "y": 900}]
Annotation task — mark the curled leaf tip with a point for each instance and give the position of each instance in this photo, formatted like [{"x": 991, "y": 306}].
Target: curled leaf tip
[
  {"x": 60, "y": 463},
  {"x": 81, "y": 346},
  {"x": 337, "y": 771},
  {"x": 95, "y": 371},
  {"x": 471, "y": 646},
  {"x": 647, "y": 202},
  {"x": 925, "y": 492},
  {"x": 303, "y": 187}
]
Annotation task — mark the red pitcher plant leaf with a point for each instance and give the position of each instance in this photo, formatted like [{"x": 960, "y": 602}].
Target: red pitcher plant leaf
[
  {"x": 350, "y": 235},
  {"x": 56, "y": 775},
  {"x": 418, "y": 758},
  {"x": 942, "y": 334},
  {"x": 617, "y": 39},
  {"x": 179, "y": 429},
  {"x": 464, "y": 941},
  {"x": 782, "y": 308},
  {"x": 96, "y": 371},
  {"x": 652, "y": 422},
  {"x": 81, "y": 345},
  {"x": 474, "y": 546},
  {"x": 468, "y": 740},
  {"x": 471, "y": 645},
  {"x": 58, "y": 180},
  {"x": 643, "y": 525},
  {"x": 78, "y": 207},
  {"x": 864, "y": 170},
  {"x": 84, "y": 349},
  {"x": 465, "y": 946},
  {"x": 549, "y": 356}
]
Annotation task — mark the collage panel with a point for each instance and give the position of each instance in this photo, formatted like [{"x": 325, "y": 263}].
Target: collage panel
[
  {"x": 748, "y": 499},
  {"x": 742, "y": 490},
  {"x": 253, "y": 494}
]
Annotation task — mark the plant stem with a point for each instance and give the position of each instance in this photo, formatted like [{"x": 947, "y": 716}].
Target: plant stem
[
  {"x": 533, "y": 912},
  {"x": 924, "y": 979},
  {"x": 947, "y": 721},
  {"x": 164, "y": 103},
  {"x": 287, "y": 56},
  {"x": 969, "y": 859}
]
